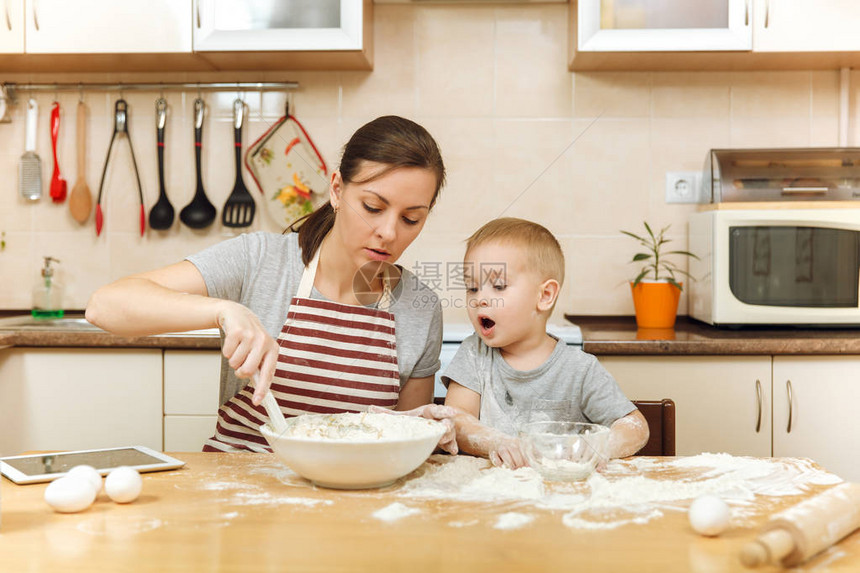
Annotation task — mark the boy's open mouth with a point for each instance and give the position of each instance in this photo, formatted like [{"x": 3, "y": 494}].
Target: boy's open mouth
[{"x": 487, "y": 323}]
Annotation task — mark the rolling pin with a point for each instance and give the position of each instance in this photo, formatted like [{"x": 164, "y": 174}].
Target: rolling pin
[{"x": 796, "y": 534}]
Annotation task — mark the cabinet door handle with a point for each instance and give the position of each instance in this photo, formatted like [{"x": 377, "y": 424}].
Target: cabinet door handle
[
  {"x": 766, "y": 13},
  {"x": 8, "y": 19},
  {"x": 197, "y": 5},
  {"x": 36, "y": 14},
  {"x": 758, "y": 403},
  {"x": 790, "y": 405},
  {"x": 747, "y": 13}
]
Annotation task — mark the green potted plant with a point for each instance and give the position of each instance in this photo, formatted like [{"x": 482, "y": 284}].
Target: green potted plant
[{"x": 656, "y": 289}]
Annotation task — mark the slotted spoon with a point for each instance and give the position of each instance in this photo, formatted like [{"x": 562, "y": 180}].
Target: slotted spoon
[{"x": 240, "y": 207}]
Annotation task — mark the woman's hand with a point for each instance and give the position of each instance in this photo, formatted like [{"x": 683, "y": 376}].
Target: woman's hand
[
  {"x": 247, "y": 346},
  {"x": 444, "y": 414}
]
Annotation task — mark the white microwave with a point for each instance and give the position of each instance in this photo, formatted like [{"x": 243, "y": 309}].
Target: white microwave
[{"x": 790, "y": 264}]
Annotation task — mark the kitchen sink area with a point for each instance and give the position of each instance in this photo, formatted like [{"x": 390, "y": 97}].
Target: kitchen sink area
[
  {"x": 27, "y": 322},
  {"x": 73, "y": 330}
]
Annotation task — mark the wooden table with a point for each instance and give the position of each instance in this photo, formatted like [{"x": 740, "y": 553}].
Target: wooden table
[{"x": 235, "y": 512}]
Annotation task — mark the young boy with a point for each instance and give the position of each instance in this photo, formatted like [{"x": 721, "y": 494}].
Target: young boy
[{"x": 513, "y": 273}]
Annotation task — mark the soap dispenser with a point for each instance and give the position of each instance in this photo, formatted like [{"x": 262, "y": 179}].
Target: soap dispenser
[{"x": 47, "y": 294}]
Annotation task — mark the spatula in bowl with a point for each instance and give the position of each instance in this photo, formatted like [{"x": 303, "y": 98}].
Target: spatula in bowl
[{"x": 276, "y": 417}]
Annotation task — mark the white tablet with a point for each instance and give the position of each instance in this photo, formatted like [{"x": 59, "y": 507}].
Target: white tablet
[{"x": 36, "y": 468}]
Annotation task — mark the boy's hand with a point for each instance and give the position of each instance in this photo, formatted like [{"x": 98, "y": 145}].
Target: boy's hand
[
  {"x": 505, "y": 451},
  {"x": 443, "y": 414}
]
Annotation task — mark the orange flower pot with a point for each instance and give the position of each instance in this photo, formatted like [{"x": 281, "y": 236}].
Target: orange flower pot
[{"x": 656, "y": 304}]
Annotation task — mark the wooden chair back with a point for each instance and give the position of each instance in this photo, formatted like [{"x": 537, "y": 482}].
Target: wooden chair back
[{"x": 660, "y": 415}]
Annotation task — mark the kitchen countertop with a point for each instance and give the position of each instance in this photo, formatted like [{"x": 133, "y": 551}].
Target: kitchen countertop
[
  {"x": 615, "y": 335},
  {"x": 93, "y": 337},
  {"x": 243, "y": 512},
  {"x": 619, "y": 335}
]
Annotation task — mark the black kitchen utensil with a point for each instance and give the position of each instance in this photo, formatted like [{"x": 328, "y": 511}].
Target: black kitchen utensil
[
  {"x": 161, "y": 214},
  {"x": 200, "y": 213},
  {"x": 120, "y": 126},
  {"x": 240, "y": 207}
]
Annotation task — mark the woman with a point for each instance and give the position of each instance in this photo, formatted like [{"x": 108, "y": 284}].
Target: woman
[{"x": 352, "y": 330}]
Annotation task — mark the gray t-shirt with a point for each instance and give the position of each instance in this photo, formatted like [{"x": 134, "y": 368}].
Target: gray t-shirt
[
  {"x": 569, "y": 386},
  {"x": 262, "y": 271}
]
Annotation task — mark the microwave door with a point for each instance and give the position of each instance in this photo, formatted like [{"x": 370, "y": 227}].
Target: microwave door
[{"x": 794, "y": 266}]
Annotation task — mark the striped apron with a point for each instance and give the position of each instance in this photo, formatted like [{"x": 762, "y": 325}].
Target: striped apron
[{"x": 333, "y": 358}]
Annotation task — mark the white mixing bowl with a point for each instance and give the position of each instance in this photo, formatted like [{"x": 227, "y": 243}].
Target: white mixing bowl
[{"x": 354, "y": 451}]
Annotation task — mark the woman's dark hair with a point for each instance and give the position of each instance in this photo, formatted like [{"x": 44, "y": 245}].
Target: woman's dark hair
[{"x": 390, "y": 140}]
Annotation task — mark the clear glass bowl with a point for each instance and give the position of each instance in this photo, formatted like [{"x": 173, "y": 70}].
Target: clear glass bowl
[{"x": 564, "y": 451}]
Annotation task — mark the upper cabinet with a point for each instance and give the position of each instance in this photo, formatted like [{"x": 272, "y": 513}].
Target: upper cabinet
[
  {"x": 804, "y": 26},
  {"x": 185, "y": 35},
  {"x": 266, "y": 25},
  {"x": 663, "y": 25},
  {"x": 308, "y": 34},
  {"x": 714, "y": 34},
  {"x": 107, "y": 26},
  {"x": 12, "y": 27}
]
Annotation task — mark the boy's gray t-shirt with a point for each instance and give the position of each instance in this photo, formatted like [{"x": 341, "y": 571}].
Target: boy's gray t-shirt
[
  {"x": 262, "y": 271},
  {"x": 570, "y": 385}
]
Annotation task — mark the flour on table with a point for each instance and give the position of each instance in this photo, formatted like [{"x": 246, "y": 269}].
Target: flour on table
[
  {"x": 628, "y": 492},
  {"x": 513, "y": 520},
  {"x": 467, "y": 478},
  {"x": 394, "y": 512}
]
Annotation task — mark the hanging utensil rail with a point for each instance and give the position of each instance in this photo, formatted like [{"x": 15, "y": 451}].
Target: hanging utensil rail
[{"x": 9, "y": 89}]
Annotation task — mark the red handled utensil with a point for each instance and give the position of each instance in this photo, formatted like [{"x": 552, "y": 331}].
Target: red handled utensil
[{"x": 58, "y": 184}]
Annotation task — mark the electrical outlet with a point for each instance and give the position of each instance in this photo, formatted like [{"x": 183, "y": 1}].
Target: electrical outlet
[{"x": 683, "y": 186}]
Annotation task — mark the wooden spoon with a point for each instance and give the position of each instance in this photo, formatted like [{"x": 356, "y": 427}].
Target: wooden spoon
[{"x": 81, "y": 200}]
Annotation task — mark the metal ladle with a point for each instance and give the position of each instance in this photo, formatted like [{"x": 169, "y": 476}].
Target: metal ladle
[
  {"x": 161, "y": 214},
  {"x": 200, "y": 213}
]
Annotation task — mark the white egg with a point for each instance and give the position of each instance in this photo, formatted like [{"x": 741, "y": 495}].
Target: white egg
[
  {"x": 90, "y": 473},
  {"x": 709, "y": 515},
  {"x": 70, "y": 494},
  {"x": 123, "y": 484}
]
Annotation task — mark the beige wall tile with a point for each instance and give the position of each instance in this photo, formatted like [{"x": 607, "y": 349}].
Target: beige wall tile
[
  {"x": 608, "y": 165},
  {"x": 771, "y": 132},
  {"x": 455, "y": 53},
  {"x": 825, "y": 92},
  {"x": 531, "y": 72},
  {"x": 532, "y": 172},
  {"x": 691, "y": 94},
  {"x": 18, "y": 271},
  {"x": 770, "y": 94},
  {"x": 612, "y": 94},
  {"x": 390, "y": 88}
]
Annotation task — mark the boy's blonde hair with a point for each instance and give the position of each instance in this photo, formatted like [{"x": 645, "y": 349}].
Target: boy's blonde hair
[{"x": 544, "y": 255}]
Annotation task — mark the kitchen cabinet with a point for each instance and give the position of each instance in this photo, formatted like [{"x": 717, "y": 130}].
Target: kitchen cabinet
[
  {"x": 75, "y": 398},
  {"x": 664, "y": 25},
  {"x": 250, "y": 25},
  {"x": 819, "y": 395},
  {"x": 108, "y": 26},
  {"x": 713, "y": 34},
  {"x": 722, "y": 403},
  {"x": 296, "y": 34},
  {"x": 12, "y": 27},
  {"x": 191, "y": 388},
  {"x": 804, "y": 26},
  {"x": 185, "y": 35}
]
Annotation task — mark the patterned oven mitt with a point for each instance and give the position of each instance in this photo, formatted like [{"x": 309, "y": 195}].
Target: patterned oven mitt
[{"x": 288, "y": 169}]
